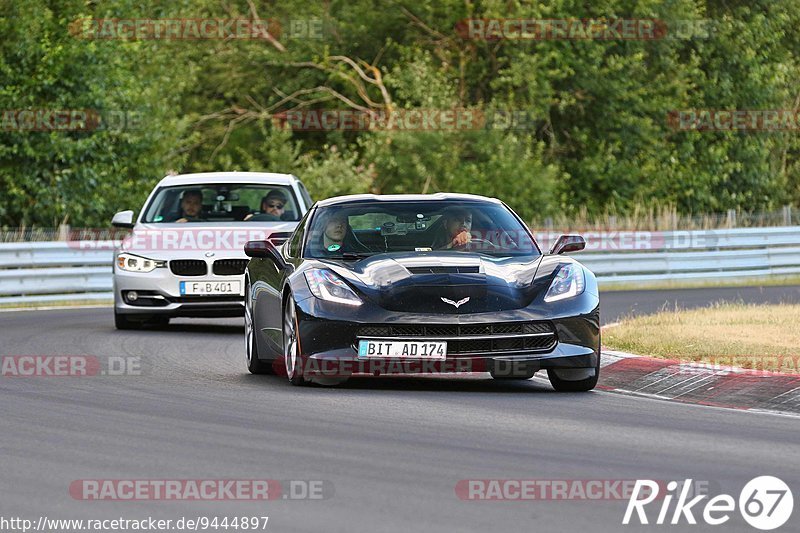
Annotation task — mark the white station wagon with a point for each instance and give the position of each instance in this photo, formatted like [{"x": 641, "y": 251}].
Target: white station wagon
[{"x": 185, "y": 254}]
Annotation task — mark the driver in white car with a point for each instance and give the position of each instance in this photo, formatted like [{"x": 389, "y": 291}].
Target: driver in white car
[{"x": 191, "y": 206}]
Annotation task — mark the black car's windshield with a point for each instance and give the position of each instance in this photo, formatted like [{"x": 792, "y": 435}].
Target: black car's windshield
[{"x": 352, "y": 231}]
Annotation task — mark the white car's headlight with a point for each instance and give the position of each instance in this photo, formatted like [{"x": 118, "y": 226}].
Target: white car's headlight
[
  {"x": 134, "y": 263},
  {"x": 569, "y": 282},
  {"x": 325, "y": 285}
]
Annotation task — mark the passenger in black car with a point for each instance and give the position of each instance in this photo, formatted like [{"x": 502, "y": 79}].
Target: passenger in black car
[{"x": 338, "y": 237}]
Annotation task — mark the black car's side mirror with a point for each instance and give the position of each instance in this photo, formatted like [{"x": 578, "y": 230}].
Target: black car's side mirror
[
  {"x": 568, "y": 243},
  {"x": 264, "y": 249}
]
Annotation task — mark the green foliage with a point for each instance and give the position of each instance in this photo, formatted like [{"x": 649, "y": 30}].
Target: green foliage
[{"x": 595, "y": 136}]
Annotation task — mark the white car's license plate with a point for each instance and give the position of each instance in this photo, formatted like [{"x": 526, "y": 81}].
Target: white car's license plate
[
  {"x": 402, "y": 349},
  {"x": 210, "y": 288}
]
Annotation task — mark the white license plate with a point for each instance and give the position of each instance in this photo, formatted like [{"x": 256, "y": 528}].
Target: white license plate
[
  {"x": 402, "y": 349},
  {"x": 211, "y": 287}
]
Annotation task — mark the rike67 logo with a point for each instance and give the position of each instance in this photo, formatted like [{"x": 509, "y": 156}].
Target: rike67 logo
[{"x": 765, "y": 503}]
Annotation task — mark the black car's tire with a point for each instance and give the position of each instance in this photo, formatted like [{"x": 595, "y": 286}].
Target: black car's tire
[
  {"x": 254, "y": 364},
  {"x": 291, "y": 348},
  {"x": 582, "y": 385},
  {"x": 123, "y": 322}
]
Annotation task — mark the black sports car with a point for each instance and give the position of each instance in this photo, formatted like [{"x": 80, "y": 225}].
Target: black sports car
[{"x": 420, "y": 283}]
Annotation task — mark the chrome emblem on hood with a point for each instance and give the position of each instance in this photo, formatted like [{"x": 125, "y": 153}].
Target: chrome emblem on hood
[{"x": 455, "y": 304}]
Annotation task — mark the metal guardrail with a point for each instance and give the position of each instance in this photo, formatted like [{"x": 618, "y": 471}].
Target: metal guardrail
[
  {"x": 643, "y": 257},
  {"x": 32, "y": 272},
  {"x": 73, "y": 270}
]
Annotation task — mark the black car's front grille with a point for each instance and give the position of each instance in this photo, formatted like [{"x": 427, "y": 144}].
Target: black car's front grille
[
  {"x": 229, "y": 267},
  {"x": 482, "y": 329},
  {"x": 188, "y": 267},
  {"x": 475, "y": 339},
  {"x": 445, "y": 270},
  {"x": 456, "y": 330}
]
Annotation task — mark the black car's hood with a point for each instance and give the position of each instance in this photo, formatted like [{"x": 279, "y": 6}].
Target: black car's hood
[{"x": 452, "y": 283}]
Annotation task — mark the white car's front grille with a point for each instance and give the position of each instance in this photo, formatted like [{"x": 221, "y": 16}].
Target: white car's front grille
[{"x": 188, "y": 267}]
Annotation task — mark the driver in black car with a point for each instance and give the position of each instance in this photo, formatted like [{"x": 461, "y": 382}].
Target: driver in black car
[{"x": 455, "y": 229}]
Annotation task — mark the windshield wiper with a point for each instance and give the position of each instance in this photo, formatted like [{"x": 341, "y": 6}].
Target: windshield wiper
[{"x": 353, "y": 256}]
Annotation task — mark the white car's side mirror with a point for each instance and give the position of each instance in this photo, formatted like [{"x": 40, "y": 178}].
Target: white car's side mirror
[{"x": 123, "y": 219}]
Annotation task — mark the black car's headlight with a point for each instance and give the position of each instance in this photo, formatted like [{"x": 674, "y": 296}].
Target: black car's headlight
[
  {"x": 569, "y": 282},
  {"x": 326, "y": 285},
  {"x": 134, "y": 263}
]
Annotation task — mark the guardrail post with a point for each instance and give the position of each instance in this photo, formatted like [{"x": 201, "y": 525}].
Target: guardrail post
[
  {"x": 63, "y": 232},
  {"x": 731, "y": 218},
  {"x": 787, "y": 215}
]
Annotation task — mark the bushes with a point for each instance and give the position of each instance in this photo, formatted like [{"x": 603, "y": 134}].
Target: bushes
[{"x": 596, "y": 140}]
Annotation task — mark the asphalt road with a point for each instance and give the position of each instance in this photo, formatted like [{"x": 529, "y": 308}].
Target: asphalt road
[
  {"x": 619, "y": 304},
  {"x": 391, "y": 449}
]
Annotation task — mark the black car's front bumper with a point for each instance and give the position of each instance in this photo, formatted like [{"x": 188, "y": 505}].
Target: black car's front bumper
[{"x": 562, "y": 335}]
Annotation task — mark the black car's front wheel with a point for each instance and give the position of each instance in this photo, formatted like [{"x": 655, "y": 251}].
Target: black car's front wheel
[
  {"x": 291, "y": 346},
  {"x": 254, "y": 364},
  {"x": 573, "y": 380}
]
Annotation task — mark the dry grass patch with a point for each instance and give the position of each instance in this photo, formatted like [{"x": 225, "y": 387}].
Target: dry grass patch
[{"x": 763, "y": 337}]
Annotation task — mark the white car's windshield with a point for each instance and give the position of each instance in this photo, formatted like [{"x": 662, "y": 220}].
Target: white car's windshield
[{"x": 223, "y": 203}]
